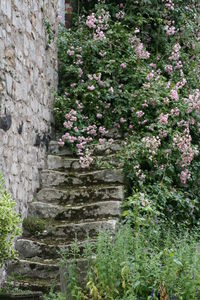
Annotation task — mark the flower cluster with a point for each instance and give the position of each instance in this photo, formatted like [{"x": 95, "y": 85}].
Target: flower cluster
[
  {"x": 152, "y": 145},
  {"x": 139, "y": 48},
  {"x": 169, "y": 4},
  {"x": 184, "y": 146},
  {"x": 100, "y": 23},
  {"x": 193, "y": 102},
  {"x": 142, "y": 81}
]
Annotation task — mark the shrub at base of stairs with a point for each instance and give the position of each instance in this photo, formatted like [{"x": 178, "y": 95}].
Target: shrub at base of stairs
[
  {"x": 146, "y": 264},
  {"x": 9, "y": 224}
]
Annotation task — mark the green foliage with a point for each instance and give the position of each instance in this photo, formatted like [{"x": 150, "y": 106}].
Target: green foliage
[
  {"x": 138, "y": 72},
  {"x": 142, "y": 265},
  {"x": 9, "y": 224},
  {"x": 33, "y": 225},
  {"x": 163, "y": 204},
  {"x": 54, "y": 296},
  {"x": 141, "y": 75},
  {"x": 49, "y": 32}
]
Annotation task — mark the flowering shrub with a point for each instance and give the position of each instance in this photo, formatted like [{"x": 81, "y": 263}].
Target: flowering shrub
[{"x": 134, "y": 66}]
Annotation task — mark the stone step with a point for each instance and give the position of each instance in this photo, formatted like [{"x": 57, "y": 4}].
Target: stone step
[
  {"x": 41, "y": 274},
  {"x": 35, "y": 269},
  {"x": 55, "y": 149},
  {"x": 96, "y": 149},
  {"x": 56, "y": 162},
  {"x": 93, "y": 211},
  {"x": 31, "y": 248},
  {"x": 63, "y": 233},
  {"x": 37, "y": 285},
  {"x": 50, "y": 178},
  {"x": 81, "y": 195}
]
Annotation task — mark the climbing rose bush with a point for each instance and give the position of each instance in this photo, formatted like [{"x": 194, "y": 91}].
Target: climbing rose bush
[{"x": 134, "y": 66}]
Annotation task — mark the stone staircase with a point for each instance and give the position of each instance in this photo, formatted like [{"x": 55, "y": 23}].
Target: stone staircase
[{"x": 72, "y": 203}]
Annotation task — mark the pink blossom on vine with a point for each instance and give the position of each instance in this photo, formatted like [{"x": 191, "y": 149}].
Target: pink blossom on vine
[
  {"x": 122, "y": 120},
  {"x": 123, "y": 65},
  {"x": 91, "y": 21},
  {"x": 120, "y": 15},
  {"x": 61, "y": 143},
  {"x": 174, "y": 95},
  {"x": 139, "y": 114},
  {"x": 70, "y": 52},
  {"x": 99, "y": 116},
  {"x": 91, "y": 87},
  {"x": 163, "y": 119},
  {"x": 185, "y": 175},
  {"x": 169, "y": 69}
]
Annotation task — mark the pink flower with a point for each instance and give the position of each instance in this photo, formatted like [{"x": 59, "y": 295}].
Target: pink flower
[
  {"x": 170, "y": 30},
  {"x": 174, "y": 95},
  {"x": 169, "y": 69},
  {"x": 136, "y": 30},
  {"x": 102, "y": 141},
  {"x": 169, "y": 4},
  {"x": 68, "y": 125},
  {"x": 139, "y": 113},
  {"x": 80, "y": 72},
  {"x": 150, "y": 76},
  {"x": 91, "y": 21},
  {"x": 99, "y": 116},
  {"x": 67, "y": 116},
  {"x": 99, "y": 35},
  {"x": 72, "y": 85},
  {"x": 120, "y": 15},
  {"x": 91, "y": 88},
  {"x": 184, "y": 176},
  {"x": 70, "y": 52},
  {"x": 122, "y": 120},
  {"x": 61, "y": 143},
  {"x": 141, "y": 52},
  {"x": 123, "y": 65},
  {"x": 111, "y": 90},
  {"x": 102, "y": 130},
  {"x": 163, "y": 119},
  {"x": 152, "y": 65}
]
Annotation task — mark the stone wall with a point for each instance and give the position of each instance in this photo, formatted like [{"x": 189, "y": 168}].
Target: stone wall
[{"x": 28, "y": 80}]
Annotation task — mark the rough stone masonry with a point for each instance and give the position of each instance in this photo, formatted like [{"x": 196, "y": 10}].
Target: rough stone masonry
[{"x": 28, "y": 80}]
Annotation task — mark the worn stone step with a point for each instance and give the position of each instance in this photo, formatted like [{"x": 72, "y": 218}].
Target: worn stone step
[
  {"x": 56, "y": 162},
  {"x": 96, "y": 149},
  {"x": 50, "y": 178},
  {"x": 81, "y": 195},
  {"x": 32, "y": 248},
  {"x": 93, "y": 211},
  {"x": 38, "y": 270},
  {"x": 35, "y": 269},
  {"x": 62, "y": 233},
  {"x": 37, "y": 285},
  {"x": 55, "y": 149}
]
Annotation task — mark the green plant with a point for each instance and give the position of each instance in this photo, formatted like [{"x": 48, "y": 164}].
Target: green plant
[
  {"x": 9, "y": 224},
  {"x": 134, "y": 66},
  {"x": 143, "y": 264},
  {"x": 54, "y": 296},
  {"x": 34, "y": 225},
  {"x": 50, "y": 33}
]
